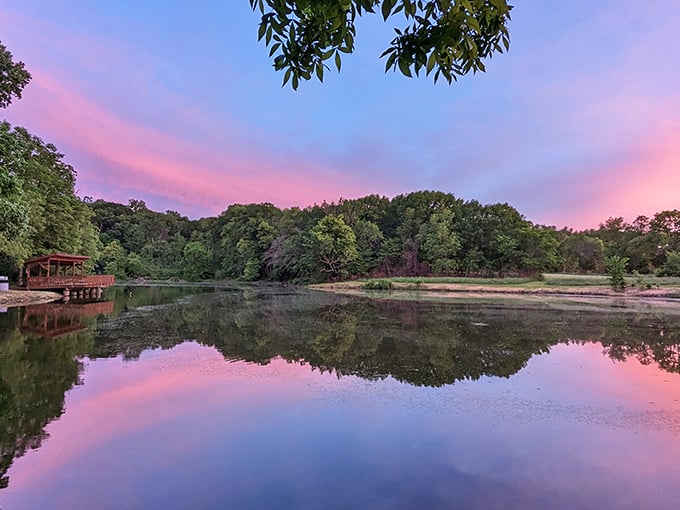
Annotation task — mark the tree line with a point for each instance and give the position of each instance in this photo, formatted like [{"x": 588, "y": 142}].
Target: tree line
[{"x": 417, "y": 234}]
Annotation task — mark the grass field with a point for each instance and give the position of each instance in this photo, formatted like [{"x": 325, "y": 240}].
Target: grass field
[
  {"x": 577, "y": 280},
  {"x": 548, "y": 280}
]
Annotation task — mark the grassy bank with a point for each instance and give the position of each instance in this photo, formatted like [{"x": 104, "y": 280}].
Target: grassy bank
[{"x": 561, "y": 284}]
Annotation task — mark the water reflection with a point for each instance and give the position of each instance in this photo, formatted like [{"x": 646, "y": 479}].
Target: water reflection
[
  {"x": 52, "y": 320},
  {"x": 431, "y": 345},
  {"x": 35, "y": 374},
  {"x": 41, "y": 347}
]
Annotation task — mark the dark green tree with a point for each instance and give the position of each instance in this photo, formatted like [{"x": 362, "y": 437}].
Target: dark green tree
[
  {"x": 667, "y": 225},
  {"x": 13, "y": 77},
  {"x": 440, "y": 242},
  {"x": 247, "y": 234},
  {"x": 582, "y": 253},
  {"x": 197, "y": 261},
  {"x": 333, "y": 243},
  {"x": 539, "y": 249},
  {"x": 13, "y": 208},
  {"x": 112, "y": 260},
  {"x": 56, "y": 219},
  {"x": 369, "y": 242},
  {"x": 671, "y": 267}
]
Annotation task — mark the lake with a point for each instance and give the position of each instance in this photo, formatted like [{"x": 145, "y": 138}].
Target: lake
[{"x": 284, "y": 398}]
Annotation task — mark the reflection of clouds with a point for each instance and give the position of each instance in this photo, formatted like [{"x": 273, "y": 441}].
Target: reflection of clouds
[
  {"x": 618, "y": 398},
  {"x": 119, "y": 399},
  {"x": 184, "y": 425}
]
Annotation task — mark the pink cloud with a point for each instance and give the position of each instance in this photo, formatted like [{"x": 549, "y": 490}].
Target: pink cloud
[
  {"x": 146, "y": 160},
  {"x": 646, "y": 182}
]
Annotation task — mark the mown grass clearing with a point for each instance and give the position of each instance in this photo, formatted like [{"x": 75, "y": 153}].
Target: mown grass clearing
[
  {"x": 548, "y": 280},
  {"x": 462, "y": 280},
  {"x": 579, "y": 280}
]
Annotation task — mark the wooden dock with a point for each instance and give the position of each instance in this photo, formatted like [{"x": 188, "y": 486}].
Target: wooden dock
[{"x": 64, "y": 273}]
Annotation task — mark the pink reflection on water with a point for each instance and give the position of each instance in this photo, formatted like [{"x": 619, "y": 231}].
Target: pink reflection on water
[
  {"x": 121, "y": 399},
  {"x": 573, "y": 428}
]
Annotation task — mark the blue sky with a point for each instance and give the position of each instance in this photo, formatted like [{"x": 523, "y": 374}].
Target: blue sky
[{"x": 177, "y": 104}]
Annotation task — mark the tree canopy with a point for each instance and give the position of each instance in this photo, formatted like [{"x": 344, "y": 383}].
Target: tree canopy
[
  {"x": 39, "y": 211},
  {"x": 449, "y": 38}
]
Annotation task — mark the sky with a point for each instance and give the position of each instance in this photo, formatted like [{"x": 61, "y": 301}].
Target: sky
[{"x": 176, "y": 103}]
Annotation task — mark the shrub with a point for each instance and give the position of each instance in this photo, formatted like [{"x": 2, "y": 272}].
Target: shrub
[
  {"x": 640, "y": 281},
  {"x": 671, "y": 267},
  {"x": 379, "y": 284},
  {"x": 616, "y": 269}
]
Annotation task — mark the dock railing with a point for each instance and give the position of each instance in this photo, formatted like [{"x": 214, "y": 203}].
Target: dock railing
[{"x": 69, "y": 282}]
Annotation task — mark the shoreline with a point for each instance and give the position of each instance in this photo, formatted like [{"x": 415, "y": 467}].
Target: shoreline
[
  {"x": 449, "y": 288},
  {"x": 12, "y": 298}
]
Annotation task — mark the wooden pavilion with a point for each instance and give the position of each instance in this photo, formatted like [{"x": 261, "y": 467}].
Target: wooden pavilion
[{"x": 63, "y": 272}]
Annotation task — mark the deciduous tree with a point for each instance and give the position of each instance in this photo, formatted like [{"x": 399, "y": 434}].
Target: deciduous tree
[
  {"x": 334, "y": 245},
  {"x": 440, "y": 243}
]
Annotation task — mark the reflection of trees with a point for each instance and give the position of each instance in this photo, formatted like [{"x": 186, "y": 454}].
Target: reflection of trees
[
  {"x": 659, "y": 344},
  {"x": 35, "y": 374},
  {"x": 419, "y": 343}
]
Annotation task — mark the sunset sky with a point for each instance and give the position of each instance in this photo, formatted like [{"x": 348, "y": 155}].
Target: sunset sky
[{"x": 176, "y": 103}]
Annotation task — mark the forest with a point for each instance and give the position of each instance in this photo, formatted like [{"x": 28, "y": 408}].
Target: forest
[{"x": 416, "y": 234}]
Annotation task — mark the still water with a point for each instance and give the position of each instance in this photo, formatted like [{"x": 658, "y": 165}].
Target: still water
[{"x": 268, "y": 398}]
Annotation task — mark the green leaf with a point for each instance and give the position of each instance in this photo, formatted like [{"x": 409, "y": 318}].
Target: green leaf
[
  {"x": 431, "y": 61},
  {"x": 274, "y": 48},
  {"x": 390, "y": 61},
  {"x": 286, "y": 76},
  {"x": 404, "y": 68},
  {"x": 387, "y": 6},
  {"x": 338, "y": 61}
]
